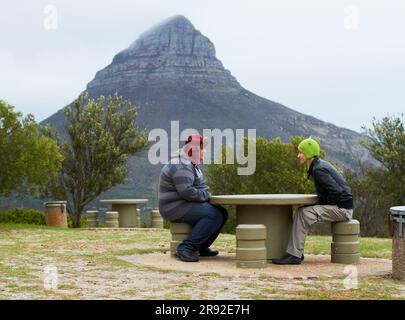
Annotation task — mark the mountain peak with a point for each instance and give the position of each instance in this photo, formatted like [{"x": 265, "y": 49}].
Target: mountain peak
[
  {"x": 175, "y": 35},
  {"x": 173, "y": 52},
  {"x": 177, "y": 23}
]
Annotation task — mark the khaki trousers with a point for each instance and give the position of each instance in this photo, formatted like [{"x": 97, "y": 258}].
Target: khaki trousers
[{"x": 305, "y": 217}]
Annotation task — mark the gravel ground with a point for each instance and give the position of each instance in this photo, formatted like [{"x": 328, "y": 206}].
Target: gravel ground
[{"x": 111, "y": 265}]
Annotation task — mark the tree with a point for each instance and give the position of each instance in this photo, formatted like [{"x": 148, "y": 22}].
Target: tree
[
  {"x": 376, "y": 189},
  {"x": 371, "y": 203},
  {"x": 386, "y": 143},
  {"x": 100, "y": 136},
  {"x": 29, "y": 160},
  {"x": 277, "y": 171}
]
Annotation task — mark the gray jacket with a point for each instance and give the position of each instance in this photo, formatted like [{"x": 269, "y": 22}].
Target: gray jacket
[{"x": 180, "y": 185}]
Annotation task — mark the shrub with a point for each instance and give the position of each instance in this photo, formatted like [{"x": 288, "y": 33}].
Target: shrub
[
  {"x": 83, "y": 222},
  {"x": 22, "y": 215},
  {"x": 31, "y": 216}
]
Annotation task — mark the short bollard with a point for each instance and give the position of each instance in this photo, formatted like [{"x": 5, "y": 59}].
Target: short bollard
[
  {"x": 138, "y": 218},
  {"x": 111, "y": 219},
  {"x": 179, "y": 231},
  {"x": 92, "y": 218},
  {"x": 157, "y": 220},
  {"x": 251, "y": 249},
  {"x": 345, "y": 246}
]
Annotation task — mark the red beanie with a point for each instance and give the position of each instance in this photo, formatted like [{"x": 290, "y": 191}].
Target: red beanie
[{"x": 194, "y": 141}]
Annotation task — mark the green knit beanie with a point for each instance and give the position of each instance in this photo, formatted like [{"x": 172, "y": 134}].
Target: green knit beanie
[{"x": 310, "y": 148}]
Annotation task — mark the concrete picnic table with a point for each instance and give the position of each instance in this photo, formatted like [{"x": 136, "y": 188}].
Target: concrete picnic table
[
  {"x": 126, "y": 210},
  {"x": 273, "y": 210}
]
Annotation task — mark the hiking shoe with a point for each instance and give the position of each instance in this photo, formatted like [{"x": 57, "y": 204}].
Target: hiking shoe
[
  {"x": 207, "y": 252},
  {"x": 288, "y": 259},
  {"x": 186, "y": 255}
]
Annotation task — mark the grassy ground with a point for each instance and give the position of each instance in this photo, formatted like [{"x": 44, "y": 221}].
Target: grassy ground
[{"x": 89, "y": 267}]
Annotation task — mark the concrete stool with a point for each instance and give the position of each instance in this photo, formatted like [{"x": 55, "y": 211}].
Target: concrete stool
[
  {"x": 157, "y": 220},
  {"x": 179, "y": 231},
  {"x": 251, "y": 249},
  {"x": 345, "y": 247},
  {"x": 92, "y": 218},
  {"x": 138, "y": 218},
  {"x": 111, "y": 219}
]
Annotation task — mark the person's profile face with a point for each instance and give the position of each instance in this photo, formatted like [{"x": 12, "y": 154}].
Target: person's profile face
[
  {"x": 302, "y": 159},
  {"x": 195, "y": 153}
]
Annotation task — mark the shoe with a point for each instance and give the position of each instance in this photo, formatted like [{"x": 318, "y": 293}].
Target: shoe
[
  {"x": 186, "y": 255},
  {"x": 302, "y": 257},
  {"x": 288, "y": 259},
  {"x": 207, "y": 252}
]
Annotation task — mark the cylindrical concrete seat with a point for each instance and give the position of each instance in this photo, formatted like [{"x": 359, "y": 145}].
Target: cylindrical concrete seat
[
  {"x": 111, "y": 219},
  {"x": 251, "y": 253},
  {"x": 251, "y": 249},
  {"x": 179, "y": 231},
  {"x": 345, "y": 246},
  {"x": 345, "y": 237},
  {"x": 346, "y": 227},
  {"x": 92, "y": 218},
  {"x": 180, "y": 228},
  {"x": 138, "y": 218},
  {"x": 157, "y": 220}
]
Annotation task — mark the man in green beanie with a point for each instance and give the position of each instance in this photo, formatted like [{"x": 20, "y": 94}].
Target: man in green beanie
[{"x": 335, "y": 200}]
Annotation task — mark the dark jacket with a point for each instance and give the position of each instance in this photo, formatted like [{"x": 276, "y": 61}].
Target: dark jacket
[{"x": 331, "y": 187}]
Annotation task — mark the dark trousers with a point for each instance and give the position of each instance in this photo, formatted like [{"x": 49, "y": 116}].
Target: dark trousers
[{"x": 207, "y": 221}]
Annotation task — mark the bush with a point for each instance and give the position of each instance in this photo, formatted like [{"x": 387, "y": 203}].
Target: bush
[
  {"x": 31, "y": 216},
  {"x": 83, "y": 222},
  {"x": 25, "y": 216}
]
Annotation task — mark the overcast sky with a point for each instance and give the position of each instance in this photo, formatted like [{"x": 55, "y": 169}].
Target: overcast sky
[{"x": 340, "y": 61}]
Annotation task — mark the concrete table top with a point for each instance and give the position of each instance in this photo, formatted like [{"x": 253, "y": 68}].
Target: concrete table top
[
  {"x": 265, "y": 199},
  {"x": 124, "y": 201}
]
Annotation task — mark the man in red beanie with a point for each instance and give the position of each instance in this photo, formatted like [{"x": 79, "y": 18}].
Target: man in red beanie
[{"x": 184, "y": 198}]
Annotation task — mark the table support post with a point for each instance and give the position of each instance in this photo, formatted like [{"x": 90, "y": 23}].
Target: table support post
[
  {"x": 276, "y": 218},
  {"x": 127, "y": 215}
]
